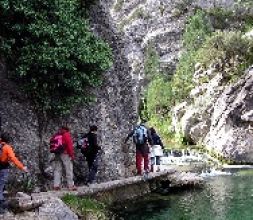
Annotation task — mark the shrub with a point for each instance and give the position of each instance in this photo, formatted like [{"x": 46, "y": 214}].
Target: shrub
[
  {"x": 227, "y": 46},
  {"x": 196, "y": 31},
  {"x": 83, "y": 206},
  {"x": 223, "y": 19},
  {"x": 159, "y": 97},
  {"x": 151, "y": 62},
  {"x": 182, "y": 79},
  {"x": 51, "y": 52}
]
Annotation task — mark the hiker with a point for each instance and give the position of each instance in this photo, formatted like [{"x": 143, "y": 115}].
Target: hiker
[
  {"x": 61, "y": 145},
  {"x": 156, "y": 150},
  {"x": 90, "y": 149},
  {"x": 142, "y": 139},
  {"x": 6, "y": 155}
]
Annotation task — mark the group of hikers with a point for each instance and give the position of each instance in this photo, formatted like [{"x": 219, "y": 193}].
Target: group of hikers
[
  {"x": 148, "y": 146},
  {"x": 62, "y": 145}
]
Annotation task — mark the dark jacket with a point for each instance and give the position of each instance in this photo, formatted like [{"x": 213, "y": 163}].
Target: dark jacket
[
  {"x": 93, "y": 145},
  {"x": 156, "y": 140}
]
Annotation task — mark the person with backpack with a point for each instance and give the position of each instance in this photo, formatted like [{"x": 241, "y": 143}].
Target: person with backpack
[
  {"x": 142, "y": 140},
  {"x": 7, "y": 155},
  {"x": 156, "y": 150},
  {"x": 61, "y": 145},
  {"x": 90, "y": 149}
]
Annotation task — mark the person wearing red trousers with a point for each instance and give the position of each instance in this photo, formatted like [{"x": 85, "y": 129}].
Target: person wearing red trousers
[{"x": 142, "y": 150}]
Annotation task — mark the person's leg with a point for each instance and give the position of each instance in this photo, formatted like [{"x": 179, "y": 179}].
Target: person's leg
[
  {"x": 93, "y": 170},
  {"x": 3, "y": 179},
  {"x": 57, "y": 172},
  {"x": 152, "y": 163},
  {"x": 68, "y": 166},
  {"x": 158, "y": 162},
  {"x": 89, "y": 162},
  {"x": 146, "y": 161},
  {"x": 138, "y": 162}
]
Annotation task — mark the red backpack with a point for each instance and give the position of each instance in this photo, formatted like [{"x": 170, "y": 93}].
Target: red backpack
[{"x": 56, "y": 145}]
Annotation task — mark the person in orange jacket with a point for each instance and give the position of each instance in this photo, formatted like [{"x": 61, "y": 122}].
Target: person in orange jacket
[{"x": 7, "y": 155}]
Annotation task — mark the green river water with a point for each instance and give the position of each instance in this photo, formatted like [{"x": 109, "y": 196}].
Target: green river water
[{"x": 222, "y": 198}]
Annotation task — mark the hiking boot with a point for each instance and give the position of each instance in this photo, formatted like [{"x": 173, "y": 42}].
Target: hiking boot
[{"x": 145, "y": 175}]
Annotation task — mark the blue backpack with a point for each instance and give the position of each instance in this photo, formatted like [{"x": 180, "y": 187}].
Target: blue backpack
[{"x": 140, "y": 135}]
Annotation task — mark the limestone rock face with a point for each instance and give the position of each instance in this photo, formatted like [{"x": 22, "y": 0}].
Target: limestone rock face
[
  {"x": 220, "y": 116},
  {"x": 231, "y": 126}
]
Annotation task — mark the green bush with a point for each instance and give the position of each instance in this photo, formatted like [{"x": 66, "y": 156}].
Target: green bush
[
  {"x": 182, "y": 79},
  {"x": 159, "y": 97},
  {"x": 222, "y": 19},
  {"x": 82, "y": 206},
  {"x": 151, "y": 62},
  {"x": 51, "y": 52},
  {"x": 227, "y": 47},
  {"x": 196, "y": 31}
]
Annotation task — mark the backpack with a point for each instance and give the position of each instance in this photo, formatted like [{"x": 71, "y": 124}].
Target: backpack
[
  {"x": 56, "y": 145},
  {"x": 140, "y": 135},
  {"x": 83, "y": 143}
]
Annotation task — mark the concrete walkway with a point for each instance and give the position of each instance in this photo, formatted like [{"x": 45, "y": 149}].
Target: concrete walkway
[{"x": 105, "y": 186}]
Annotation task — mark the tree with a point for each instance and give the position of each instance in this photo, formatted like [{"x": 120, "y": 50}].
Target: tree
[{"x": 51, "y": 52}]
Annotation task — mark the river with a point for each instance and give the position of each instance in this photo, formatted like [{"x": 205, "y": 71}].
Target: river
[{"x": 222, "y": 198}]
